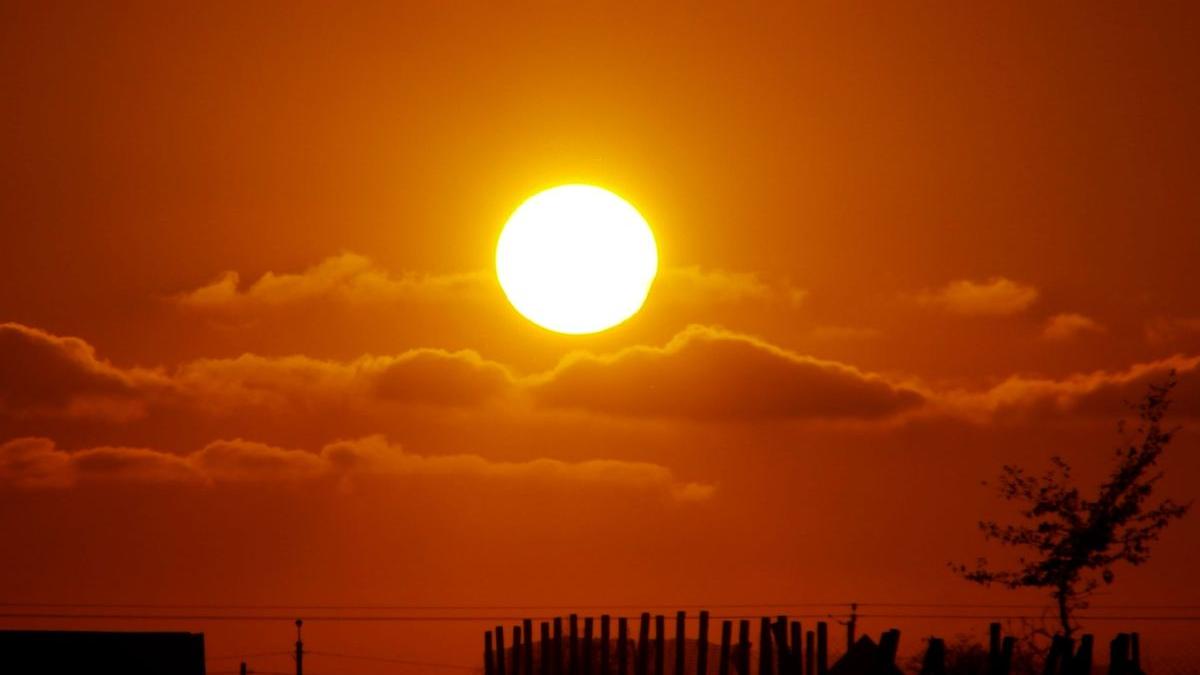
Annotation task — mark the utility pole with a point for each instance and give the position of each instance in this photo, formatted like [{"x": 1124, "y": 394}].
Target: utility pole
[
  {"x": 851, "y": 626},
  {"x": 299, "y": 649}
]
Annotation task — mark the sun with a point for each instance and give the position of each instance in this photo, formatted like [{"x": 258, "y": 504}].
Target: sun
[{"x": 576, "y": 259}]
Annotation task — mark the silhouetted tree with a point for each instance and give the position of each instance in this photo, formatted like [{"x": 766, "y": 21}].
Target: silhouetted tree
[{"x": 1076, "y": 541}]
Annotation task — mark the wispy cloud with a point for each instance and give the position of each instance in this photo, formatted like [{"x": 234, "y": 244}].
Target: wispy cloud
[
  {"x": 997, "y": 296},
  {"x": 37, "y": 462},
  {"x": 1069, "y": 325},
  {"x": 347, "y": 277}
]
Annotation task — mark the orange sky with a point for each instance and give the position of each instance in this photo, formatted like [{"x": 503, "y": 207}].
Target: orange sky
[{"x": 256, "y": 353}]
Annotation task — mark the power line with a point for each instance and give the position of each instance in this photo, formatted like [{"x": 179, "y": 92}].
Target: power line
[
  {"x": 246, "y": 656},
  {"x": 387, "y": 659},
  {"x": 954, "y": 605},
  {"x": 517, "y": 618},
  {"x": 422, "y": 607},
  {"x": 382, "y": 618},
  {"x": 992, "y": 617},
  {"x": 502, "y": 607}
]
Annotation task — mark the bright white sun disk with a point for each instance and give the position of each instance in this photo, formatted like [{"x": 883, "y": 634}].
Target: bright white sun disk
[{"x": 576, "y": 259}]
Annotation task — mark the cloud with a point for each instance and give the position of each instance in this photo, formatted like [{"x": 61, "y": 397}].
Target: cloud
[
  {"x": 47, "y": 375},
  {"x": 374, "y": 455},
  {"x": 702, "y": 373},
  {"x": 439, "y": 377},
  {"x": 1100, "y": 393},
  {"x": 710, "y": 374},
  {"x": 129, "y": 464},
  {"x": 353, "y": 279},
  {"x": 997, "y": 296},
  {"x": 347, "y": 277},
  {"x": 33, "y": 462},
  {"x": 239, "y": 460},
  {"x": 39, "y": 463},
  {"x": 52, "y": 377},
  {"x": 1069, "y": 325},
  {"x": 432, "y": 377},
  {"x": 1162, "y": 330},
  {"x": 695, "y": 284}
]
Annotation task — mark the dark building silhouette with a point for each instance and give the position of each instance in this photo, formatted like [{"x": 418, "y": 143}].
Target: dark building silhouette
[{"x": 89, "y": 652}]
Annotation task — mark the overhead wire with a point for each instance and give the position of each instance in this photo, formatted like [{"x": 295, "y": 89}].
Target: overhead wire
[
  {"x": 388, "y": 659},
  {"x": 380, "y": 618},
  {"x": 505, "y": 607}
]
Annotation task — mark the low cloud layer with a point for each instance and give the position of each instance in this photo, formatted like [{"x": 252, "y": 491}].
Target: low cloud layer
[
  {"x": 711, "y": 374},
  {"x": 52, "y": 385},
  {"x": 702, "y": 373},
  {"x": 37, "y": 462},
  {"x": 1101, "y": 393},
  {"x": 44, "y": 374}
]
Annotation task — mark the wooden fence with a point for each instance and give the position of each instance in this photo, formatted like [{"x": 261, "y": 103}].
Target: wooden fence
[{"x": 783, "y": 648}]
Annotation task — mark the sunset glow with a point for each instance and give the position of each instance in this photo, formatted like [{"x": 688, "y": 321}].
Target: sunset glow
[{"x": 415, "y": 320}]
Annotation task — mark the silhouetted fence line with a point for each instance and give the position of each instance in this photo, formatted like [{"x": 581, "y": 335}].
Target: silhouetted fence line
[{"x": 783, "y": 647}]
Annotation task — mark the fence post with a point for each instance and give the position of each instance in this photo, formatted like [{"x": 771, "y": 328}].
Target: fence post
[
  {"x": 680, "y": 650},
  {"x": 572, "y": 645},
  {"x": 1083, "y": 659},
  {"x": 643, "y": 646},
  {"x": 660, "y": 628},
  {"x": 743, "y": 651},
  {"x": 993, "y": 657},
  {"x": 1006, "y": 653},
  {"x": 528, "y": 646},
  {"x": 622, "y": 646},
  {"x": 782, "y": 654},
  {"x": 810, "y": 653},
  {"x": 489, "y": 660},
  {"x": 822, "y": 648},
  {"x": 889, "y": 643},
  {"x": 702, "y": 644},
  {"x": 544, "y": 656},
  {"x": 605, "y": 666},
  {"x": 1115, "y": 657},
  {"x": 660, "y": 650},
  {"x": 765, "y": 658},
  {"x": 588, "y": 631},
  {"x": 797, "y": 651},
  {"x": 516, "y": 651},
  {"x": 1050, "y": 667},
  {"x": 558, "y": 646},
  {"x": 726, "y": 638},
  {"x": 934, "y": 662},
  {"x": 1135, "y": 648},
  {"x": 1067, "y": 664},
  {"x": 500, "y": 650}
]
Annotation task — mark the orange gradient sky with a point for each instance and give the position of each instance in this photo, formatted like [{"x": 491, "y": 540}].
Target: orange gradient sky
[{"x": 255, "y": 350}]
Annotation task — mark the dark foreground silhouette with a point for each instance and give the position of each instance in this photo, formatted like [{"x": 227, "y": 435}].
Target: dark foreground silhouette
[
  {"x": 783, "y": 648},
  {"x": 90, "y": 652}
]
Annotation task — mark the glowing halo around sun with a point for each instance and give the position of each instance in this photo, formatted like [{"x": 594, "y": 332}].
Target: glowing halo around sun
[{"x": 576, "y": 259}]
